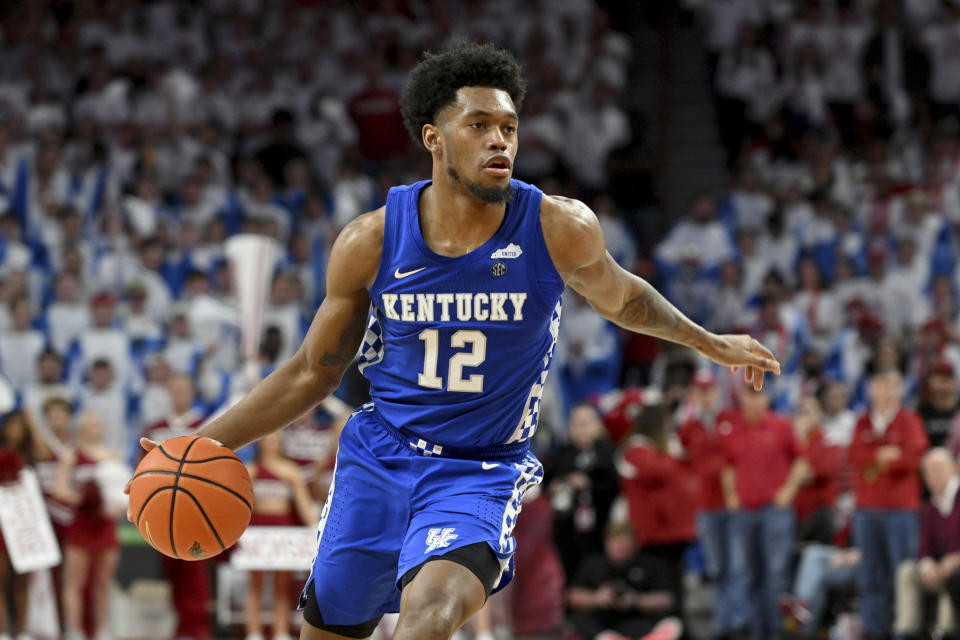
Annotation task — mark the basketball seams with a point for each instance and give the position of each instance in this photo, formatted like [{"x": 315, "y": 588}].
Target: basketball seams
[
  {"x": 149, "y": 498},
  {"x": 176, "y": 483},
  {"x": 190, "y": 476},
  {"x": 205, "y": 517},
  {"x": 214, "y": 458},
  {"x": 170, "y": 457}
]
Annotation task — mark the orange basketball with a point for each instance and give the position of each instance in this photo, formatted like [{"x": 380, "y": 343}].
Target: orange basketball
[{"x": 191, "y": 498}]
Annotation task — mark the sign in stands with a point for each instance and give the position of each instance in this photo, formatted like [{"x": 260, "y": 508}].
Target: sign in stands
[
  {"x": 275, "y": 549},
  {"x": 31, "y": 544}
]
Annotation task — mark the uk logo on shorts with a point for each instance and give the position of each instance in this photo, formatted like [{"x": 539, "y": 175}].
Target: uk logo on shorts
[{"x": 440, "y": 538}]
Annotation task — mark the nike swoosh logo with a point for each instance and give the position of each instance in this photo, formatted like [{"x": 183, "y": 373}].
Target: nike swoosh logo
[
  {"x": 489, "y": 465},
  {"x": 403, "y": 274}
]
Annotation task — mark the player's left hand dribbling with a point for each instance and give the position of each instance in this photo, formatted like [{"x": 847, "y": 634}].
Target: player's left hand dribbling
[{"x": 737, "y": 351}]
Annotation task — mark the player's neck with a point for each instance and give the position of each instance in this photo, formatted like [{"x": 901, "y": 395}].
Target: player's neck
[{"x": 455, "y": 222}]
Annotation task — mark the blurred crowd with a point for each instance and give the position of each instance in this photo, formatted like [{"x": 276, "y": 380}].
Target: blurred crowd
[
  {"x": 829, "y": 500},
  {"x": 136, "y": 137}
]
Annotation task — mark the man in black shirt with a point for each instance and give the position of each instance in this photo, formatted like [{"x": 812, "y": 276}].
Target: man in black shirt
[
  {"x": 939, "y": 403},
  {"x": 622, "y": 594}
]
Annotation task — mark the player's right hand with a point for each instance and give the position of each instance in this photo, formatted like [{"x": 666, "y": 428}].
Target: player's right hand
[
  {"x": 737, "y": 351},
  {"x": 148, "y": 445}
]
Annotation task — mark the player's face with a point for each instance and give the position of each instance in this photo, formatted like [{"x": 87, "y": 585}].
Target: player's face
[{"x": 479, "y": 142}]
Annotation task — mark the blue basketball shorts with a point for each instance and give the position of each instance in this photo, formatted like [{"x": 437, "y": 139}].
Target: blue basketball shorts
[{"x": 396, "y": 501}]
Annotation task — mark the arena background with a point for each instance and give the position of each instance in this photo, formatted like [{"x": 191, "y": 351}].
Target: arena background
[{"x": 784, "y": 168}]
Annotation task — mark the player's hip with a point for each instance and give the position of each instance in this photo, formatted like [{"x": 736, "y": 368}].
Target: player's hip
[
  {"x": 374, "y": 426},
  {"x": 385, "y": 463}
]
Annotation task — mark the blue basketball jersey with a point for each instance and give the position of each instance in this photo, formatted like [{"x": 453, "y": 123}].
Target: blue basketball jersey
[{"x": 457, "y": 348}]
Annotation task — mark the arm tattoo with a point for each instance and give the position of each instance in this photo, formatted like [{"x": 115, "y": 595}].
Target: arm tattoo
[
  {"x": 344, "y": 353},
  {"x": 649, "y": 312}
]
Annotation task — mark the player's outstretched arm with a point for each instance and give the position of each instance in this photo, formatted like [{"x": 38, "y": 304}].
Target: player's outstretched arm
[
  {"x": 575, "y": 241},
  {"x": 329, "y": 347}
]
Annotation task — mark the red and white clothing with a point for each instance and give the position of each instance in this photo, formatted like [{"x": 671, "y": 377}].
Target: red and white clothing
[
  {"x": 267, "y": 486},
  {"x": 176, "y": 426},
  {"x": 761, "y": 455},
  {"x": 897, "y": 485},
  {"x": 661, "y": 493},
  {"x": 703, "y": 441},
  {"x": 826, "y": 461},
  {"x": 61, "y": 513},
  {"x": 90, "y": 528}
]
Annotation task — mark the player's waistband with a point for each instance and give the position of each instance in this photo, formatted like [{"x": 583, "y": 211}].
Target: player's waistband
[{"x": 509, "y": 453}]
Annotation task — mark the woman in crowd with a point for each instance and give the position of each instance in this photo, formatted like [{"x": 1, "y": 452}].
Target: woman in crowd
[
  {"x": 661, "y": 494},
  {"x": 581, "y": 480},
  {"x": 20, "y": 445},
  {"x": 821, "y": 462},
  {"x": 281, "y": 499},
  {"x": 90, "y": 547}
]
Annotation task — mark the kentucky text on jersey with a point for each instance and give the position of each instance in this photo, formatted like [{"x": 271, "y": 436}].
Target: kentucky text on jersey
[
  {"x": 457, "y": 348},
  {"x": 447, "y": 307}
]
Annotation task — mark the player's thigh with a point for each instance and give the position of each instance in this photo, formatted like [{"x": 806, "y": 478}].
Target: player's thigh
[
  {"x": 443, "y": 588},
  {"x": 310, "y": 632}
]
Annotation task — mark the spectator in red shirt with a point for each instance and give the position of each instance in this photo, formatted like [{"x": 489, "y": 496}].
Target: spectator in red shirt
[
  {"x": 937, "y": 569},
  {"x": 702, "y": 436},
  {"x": 660, "y": 491},
  {"x": 376, "y": 112},
  {"x": 821, "y": 462},
  {"x": 885, "y": 453},
  {"x": 760, "y": 481}
]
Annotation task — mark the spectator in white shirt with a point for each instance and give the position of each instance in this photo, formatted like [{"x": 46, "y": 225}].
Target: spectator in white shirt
[
  {"x": 700, "y": 239},
  {"x": 155, "y": 401},
  {"x": 842, "y": 42},
  {"x": 942, "y": 41},
  {"x": 20, "y": 346},
  {"x": 838, "y": 419},
  {"x": 816, "y": 305},
  {"x": 746, "y": 83},
  {"x": 104, "y": 340},
  {"x": 805, "y": 89},
  {"x": 284, "y": 313},
  {"x": 599, "y": 126},
  {"x": 147, "y": 273},
  {"x": 49, "y": 383},
  {"x": 137, "y": 322},
  {"x": 104, "y": 396},
  {"x": 68, "y": 316},
  {"x": 182, "y": 351},
  {"x": 751, "y": 203}
]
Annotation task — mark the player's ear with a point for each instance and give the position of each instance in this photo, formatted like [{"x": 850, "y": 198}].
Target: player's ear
[{"x": 431, "y": 138}]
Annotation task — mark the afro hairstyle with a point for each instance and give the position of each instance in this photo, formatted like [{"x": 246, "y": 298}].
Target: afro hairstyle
[{"x": 434, "y": 82}]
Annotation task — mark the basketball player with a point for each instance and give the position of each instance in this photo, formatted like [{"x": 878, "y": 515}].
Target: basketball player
[{"x": 453, "y": 290}]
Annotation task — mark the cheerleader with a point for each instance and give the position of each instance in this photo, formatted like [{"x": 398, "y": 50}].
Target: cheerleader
[
  {"x": 281, "y": 500},
  {"x": 20, "y": 445},
  {"x": 90, "y": 548}
]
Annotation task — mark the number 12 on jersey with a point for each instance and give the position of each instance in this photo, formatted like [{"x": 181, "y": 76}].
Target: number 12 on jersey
[{"x": 477, "y": 342}]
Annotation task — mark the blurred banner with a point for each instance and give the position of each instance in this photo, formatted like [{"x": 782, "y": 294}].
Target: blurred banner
[
  {"x": 26, "y": 527},
  {"x": 275, "y": 549},
  {"x": 43, "y": 618}
]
